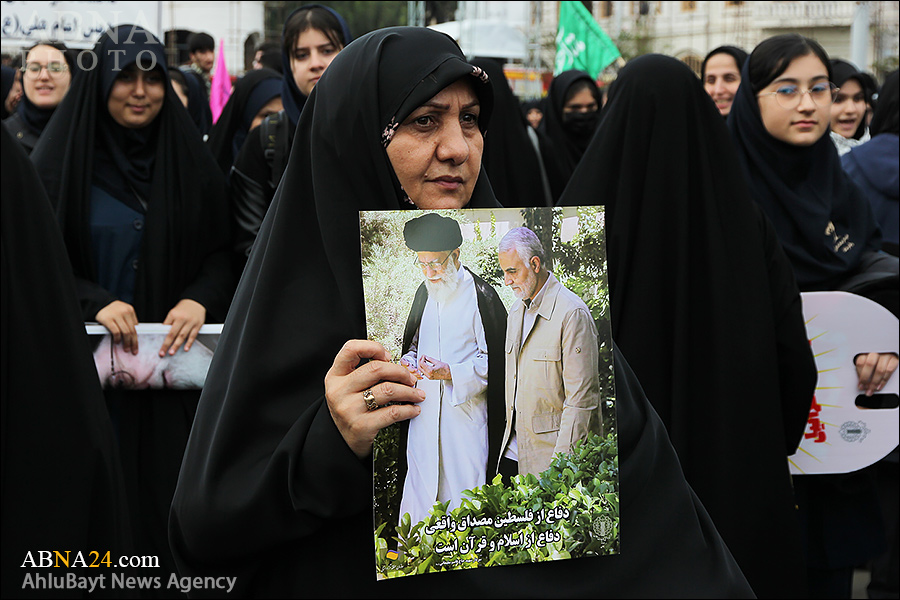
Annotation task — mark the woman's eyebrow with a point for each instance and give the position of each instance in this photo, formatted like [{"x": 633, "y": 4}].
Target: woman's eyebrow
[
  {"x": 439, "y": 106},
  {"x": 793, "y": 80}
]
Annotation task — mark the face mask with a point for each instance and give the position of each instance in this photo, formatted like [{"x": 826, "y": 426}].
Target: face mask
[{"x": 581, "y": 123}]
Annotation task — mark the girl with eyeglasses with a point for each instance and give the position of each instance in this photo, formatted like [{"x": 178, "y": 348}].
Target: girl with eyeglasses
[
  {"x": 46, "y": 77},
  {"x": 780, "y": 122}
]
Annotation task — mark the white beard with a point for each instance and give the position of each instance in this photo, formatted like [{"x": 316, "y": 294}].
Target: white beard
[
  {"x": 528, "y": 287},
  {"x": 441, "y": 290}
]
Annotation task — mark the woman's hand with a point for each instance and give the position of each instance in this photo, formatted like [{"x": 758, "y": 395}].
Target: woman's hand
[
  {"x": 120, "y": 319},
  {"x": 186, "y": 319},
  {"x": 345, "y": 384},
  {"x": 874, "y": 369}
]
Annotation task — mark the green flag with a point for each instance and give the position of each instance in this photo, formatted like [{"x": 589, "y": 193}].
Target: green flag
[{"x": 581, "y": 43}]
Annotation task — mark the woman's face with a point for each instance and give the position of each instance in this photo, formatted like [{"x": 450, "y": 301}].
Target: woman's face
[
  {"x": 436, "y": 152},
  {"x": 849, "y": 109},
  {"x": 312, "y": 54},
  {"x": 46, "y": 89},
  {"x": 581, "y": 102},
  {"x": 722, "y": 81},
  {"x": 806, "y": 122},
  {"x": 137, "y": 96}
]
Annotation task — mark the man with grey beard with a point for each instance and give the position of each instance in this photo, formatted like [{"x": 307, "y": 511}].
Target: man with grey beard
[
  {"x": 552, "y": 376},
  {"x": 453, "y": 343}
]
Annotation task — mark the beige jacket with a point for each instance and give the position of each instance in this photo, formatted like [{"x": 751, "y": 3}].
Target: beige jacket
[{"x": 552, "y": 379}]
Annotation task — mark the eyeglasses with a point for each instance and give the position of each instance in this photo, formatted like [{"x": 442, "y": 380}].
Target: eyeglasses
[
  {"x": 33, "y": 69},
  {"x": 435, "y": 265},
  {"x": 788, "y": 95},
  {"x": 119, "y": 379}
]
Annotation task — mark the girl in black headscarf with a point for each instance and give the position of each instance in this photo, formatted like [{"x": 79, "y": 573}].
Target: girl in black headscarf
[
  {"x": 823, "y": 221},
  {"x": 705, "y": 308},
  {"x": 848, "y": 111},
  {"x": 313, "y": 35},
  {"x": 46, "y": 77},
  {"x": 276, "y": 486},
  {"x": 779, "y": 123},
  {"x": 256, "y": 95},
  {"x": 513, "y": 152},
  {"x": 142, "y": 208},
  {"x": 571, "y": 116}
]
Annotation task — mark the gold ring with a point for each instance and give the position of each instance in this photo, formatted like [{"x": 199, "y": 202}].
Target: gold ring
[{"x": 369, "y": 397}]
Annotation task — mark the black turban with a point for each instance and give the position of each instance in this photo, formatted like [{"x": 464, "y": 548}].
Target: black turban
[{"x": 432, "y": 233}]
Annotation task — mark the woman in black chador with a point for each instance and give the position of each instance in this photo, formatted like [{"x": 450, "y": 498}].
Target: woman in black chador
[
  {"x": 145, "y": 219},
  {"x": 62, "y": 481},
  {"x": 276, "y": 486},
  {"x": 705, "y": 307},
  {"x": 572, "y": 113}
]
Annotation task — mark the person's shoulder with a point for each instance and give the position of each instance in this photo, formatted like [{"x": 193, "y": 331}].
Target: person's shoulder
[{"x": 569, "y": 300}]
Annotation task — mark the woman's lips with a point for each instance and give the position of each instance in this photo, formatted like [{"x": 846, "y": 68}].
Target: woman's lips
[{"x": 447, "y": 183}]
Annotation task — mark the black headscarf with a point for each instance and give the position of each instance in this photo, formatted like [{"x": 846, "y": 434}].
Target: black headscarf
[
  {"x": 251, "y": 92},
  {"x": 570, "y": 138},
  {"x": 269, "y": 491},
  {"x": 34, "y": 117},
  {"x": 198, "y": 101},
  {"x": 841, "y": 71},
  {"x": 510, "y": 158},
  {"x": 739, "y": 55},
  {"x": 704, "y": 306},
  {"x": 164, "y": 164},
  {"x": 291, "y": 96},
  {"x": 886, "y": 118},
  {"x": 805, "y": 193},
  {"x": 6, "y": 83},
  {"x": 62, "y": 481}
]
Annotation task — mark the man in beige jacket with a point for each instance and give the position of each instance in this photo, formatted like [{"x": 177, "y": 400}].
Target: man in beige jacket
[{"x": 552, "y": 377}]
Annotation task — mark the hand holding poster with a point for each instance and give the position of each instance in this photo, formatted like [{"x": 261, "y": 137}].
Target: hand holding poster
[{"x": 471, "y": 302}]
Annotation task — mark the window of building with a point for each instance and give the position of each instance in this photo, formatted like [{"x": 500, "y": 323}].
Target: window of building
[
  {"x": 606, "y": 9},
  {"x": 694, "y": 62},
  {"x": 688, "y": 6}
]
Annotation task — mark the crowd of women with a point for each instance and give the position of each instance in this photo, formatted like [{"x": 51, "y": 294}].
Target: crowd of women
[{"x": 714, "y": 226}]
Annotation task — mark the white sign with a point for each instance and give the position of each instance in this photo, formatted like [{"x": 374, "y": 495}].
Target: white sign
[
  {"x": 76, "y": 24},
  {"x": 840, "y": 436}
]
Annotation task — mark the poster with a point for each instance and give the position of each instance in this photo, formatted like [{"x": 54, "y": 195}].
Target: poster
[
  {"x": 120, "y": 369},
  {"x": 846, "y": 431},
  {"x": 465, "y": 484}
]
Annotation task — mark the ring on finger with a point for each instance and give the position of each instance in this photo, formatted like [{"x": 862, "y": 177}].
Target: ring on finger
[{"x": 369, "y": 397}]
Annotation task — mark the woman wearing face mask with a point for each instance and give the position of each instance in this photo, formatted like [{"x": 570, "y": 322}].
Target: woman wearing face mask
[
  {"x": 313, "y": 35},
  {"x": 142, "y": 208},
  {"x": 276, "y": 486},
  {"x": 573, "y": 111},
  {"x": 721, "y": 75},
  {"x": 779, "y": 123},
  {"x": 46, "y": 77},
  {"x": 848, "y": 111}
]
